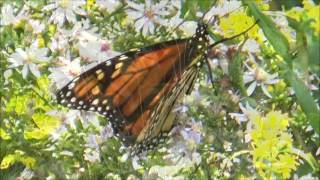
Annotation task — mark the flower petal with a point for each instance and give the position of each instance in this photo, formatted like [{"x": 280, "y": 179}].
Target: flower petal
[
  {"x": 251, "y": 88},
  {"x": 265, "y": 91},
  {"x": 25, "y": 71},
  {"x": 34, "y": 69}
]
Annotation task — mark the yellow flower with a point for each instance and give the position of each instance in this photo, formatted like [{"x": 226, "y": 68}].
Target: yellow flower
[
  {"x": 90, "y": 3},
  {"x": 262, "y": 5},
  {"x": 41, "y": 42},
  {"x": 272, "y": 145},
  {"x": 313, "y": 12},
  {"x": 236, "y": 23}
]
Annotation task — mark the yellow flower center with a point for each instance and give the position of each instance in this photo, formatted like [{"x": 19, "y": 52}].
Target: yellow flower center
[
  {"x": 149, "y": 14},
  {"x": 30, "y": 58},
  {"x": 64, "y": 3},
  {"x": 260, "y": 75}
]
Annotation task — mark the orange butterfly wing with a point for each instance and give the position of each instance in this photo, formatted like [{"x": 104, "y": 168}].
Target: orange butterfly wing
[
  {"x": 126, "y": 88},
  {"x": 138, "y": 89}
]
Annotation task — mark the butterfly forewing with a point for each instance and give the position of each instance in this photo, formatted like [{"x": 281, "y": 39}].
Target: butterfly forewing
[{"x": 138, "y": 89}]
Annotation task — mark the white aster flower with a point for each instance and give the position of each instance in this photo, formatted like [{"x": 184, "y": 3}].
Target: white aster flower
[
  {"x": 110, "y": 5},
  {"x": 92, "y": 141},
  {"x": 8, "y": 15},
  {"x": 7, "y": 73},
  {"x": 147, "y": 15},
  {"x": 106, "y": 132},
  {"x": 26, "y": 174},
  {"x": 223, "y": 8},
  {"x": 242, "y": 117},
  {"x": 67, "y": 70},
  {"x": 88, "y": 118},
  {"x": 37, "y": 26},
  {"x": 259, "y": 77},
  {"x": 91, "y": 155},
  {"x": 188, "y": 27},
  {"x": 65, "y": 10},
  {"x": 29, "y": 59},
  {"x": 251, "y": 46},
  {"x": 171, "y": 171},
  {"x": 92, "y": 48},
  {"x": 59, "y": 43},
  {"x": 184, "y": 142}
]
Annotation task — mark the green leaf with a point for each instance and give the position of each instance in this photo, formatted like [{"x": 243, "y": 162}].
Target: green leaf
[
  {"x": 307, "y": 46},
  {"x": 274, "y": 36},
  {"x": 305, "y": 99},
  {"x": 189, "y": 10},
  {"x": 205, "y": 5},
  {"x": 307, "y": 157},
  {"x": 236, "y": 71}
]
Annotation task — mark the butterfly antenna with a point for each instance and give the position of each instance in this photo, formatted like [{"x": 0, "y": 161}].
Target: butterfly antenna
[
  {"x": 232, "y": 37},
  {"x": 221, "y": 41}
]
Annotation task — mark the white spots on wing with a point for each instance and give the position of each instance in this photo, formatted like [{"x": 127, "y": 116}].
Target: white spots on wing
[
  {"x": 107, "y": 108},
  {"x": 119, "y": 65},
  {"x": 68, "y": 93},
  {"x": 200, "y": 39},
  {"x": 99, "y": 109},
  {"x": 123, "y": 57},
  {"x": 95, "y": 90},
  {"x": 105, "y": 101},
  {"x": 70, "y": 86},
  {"x": 199, "y": 46},
  {"x": 63, "y": 101},
  {"x": 69, "y": 105},
  {"x": 134, "y": 49},
  {"x": 115, "y": 73},
  {"x": 73, "y": 99},
  {"x": 108, "y": 62},
  {"x": 100, "y": 76},
  {"x": 92, "y": 109},
  {"x": 198, "y": 64},
  {"x": 61, "y": 94},
  {"x": 81, "y": 102},
  {"x": 98, "y": 71},
  {"x": 95, "y": 102}
]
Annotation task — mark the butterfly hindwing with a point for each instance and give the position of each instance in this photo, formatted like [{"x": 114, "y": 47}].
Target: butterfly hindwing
[{"x": 162, "y": 119}]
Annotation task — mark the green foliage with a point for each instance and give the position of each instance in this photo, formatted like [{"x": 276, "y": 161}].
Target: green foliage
[{"x": 281, "y": 46}]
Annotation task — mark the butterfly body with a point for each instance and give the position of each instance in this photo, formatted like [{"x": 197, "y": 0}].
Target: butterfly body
[{"x": 137, "y": 90}]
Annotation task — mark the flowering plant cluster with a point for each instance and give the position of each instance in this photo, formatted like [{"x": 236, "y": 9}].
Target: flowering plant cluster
[{"x": 261, "y": 118}]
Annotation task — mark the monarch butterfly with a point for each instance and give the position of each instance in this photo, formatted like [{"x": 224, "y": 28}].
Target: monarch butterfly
[{"x": 138, "y": 89}]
